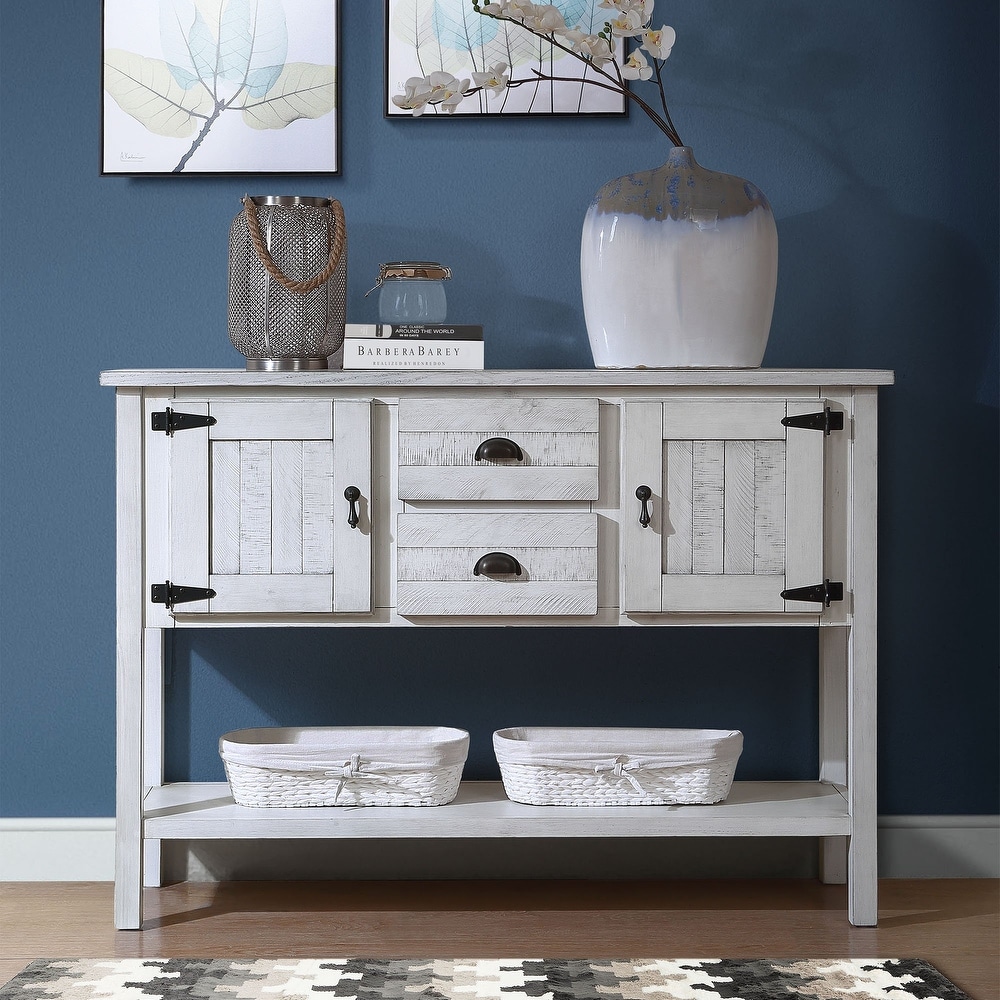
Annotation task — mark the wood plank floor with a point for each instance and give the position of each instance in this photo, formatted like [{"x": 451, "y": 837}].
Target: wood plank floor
[{"x": 955, "y": 924}]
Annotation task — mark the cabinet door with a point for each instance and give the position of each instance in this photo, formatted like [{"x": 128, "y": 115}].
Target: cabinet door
[
  {"x": 257, "y": 506},
  {"x": 736, "y": 511}
]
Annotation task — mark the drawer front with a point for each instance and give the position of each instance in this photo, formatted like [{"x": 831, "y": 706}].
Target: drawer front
[
  {"x": 552, "y": 449},
  {"x": 438, "y": 555}
]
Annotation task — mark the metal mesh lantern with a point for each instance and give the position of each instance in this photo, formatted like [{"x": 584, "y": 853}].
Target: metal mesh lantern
[{"x": 287, "y": 282}]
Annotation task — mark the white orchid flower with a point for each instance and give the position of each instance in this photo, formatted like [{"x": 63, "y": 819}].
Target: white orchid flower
[
  {"x": 659, "y": 43},
  {"x": 494, "y": 79},
  {"x": 627, "y": 24},
  {"x": 519, "y": 10},
  {"x": 636, "y": 67},
  {"x": 545, "y": 18},
  {"x": 494, "y": 9},
  {"x": 454, "y": 98},
  {"x": 437, "y": 88},
  {"x": 599, "y": 50},
  {"x": 446, "y": 90},
  {"x": 591, "y": 47},
  {"x": 417, "y": 92},
  {"x": 644, "y": 8}
]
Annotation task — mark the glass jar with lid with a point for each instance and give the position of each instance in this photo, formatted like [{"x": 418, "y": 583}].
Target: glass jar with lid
[{"x": 412, "y": 291}]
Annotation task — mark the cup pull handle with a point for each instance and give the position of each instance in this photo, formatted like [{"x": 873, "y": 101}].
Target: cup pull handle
[
  {"x": 495, "y": 563},
  {"x": 498, "y": 447}
]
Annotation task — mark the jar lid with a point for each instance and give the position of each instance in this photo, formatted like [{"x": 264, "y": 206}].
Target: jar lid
[
  {"x": 290, "y": 201},
  {"x": 428, "y": 269}
]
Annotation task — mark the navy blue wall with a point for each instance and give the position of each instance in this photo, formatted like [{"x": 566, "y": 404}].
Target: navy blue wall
[{"x": 873, "y": 130}]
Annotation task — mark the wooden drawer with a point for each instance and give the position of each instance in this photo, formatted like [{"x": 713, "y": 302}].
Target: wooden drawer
[
  {"x": 556, "y": 439},
  {"x": 438, "y": 555}
]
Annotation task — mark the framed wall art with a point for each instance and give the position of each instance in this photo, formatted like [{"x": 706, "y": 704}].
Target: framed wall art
[
  {"x": 221, "y": 87},
  {"x": 429, "y": 36}
]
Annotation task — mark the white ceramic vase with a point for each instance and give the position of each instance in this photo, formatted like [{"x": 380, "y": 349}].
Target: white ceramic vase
[{"x": 679, "y": 267}]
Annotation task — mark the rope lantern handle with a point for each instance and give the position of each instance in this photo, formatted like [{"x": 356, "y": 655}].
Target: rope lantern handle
[{"x": 337, "y": 244}]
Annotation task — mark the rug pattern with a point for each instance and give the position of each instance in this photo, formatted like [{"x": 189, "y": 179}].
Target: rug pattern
[{"x": 481, "y": 979}]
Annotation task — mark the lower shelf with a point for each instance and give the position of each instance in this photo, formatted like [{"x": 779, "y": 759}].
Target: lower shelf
[{"x": 754, "y": 809}]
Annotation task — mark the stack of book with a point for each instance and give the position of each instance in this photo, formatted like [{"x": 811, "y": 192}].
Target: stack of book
[{"x": 383, "y": 345}]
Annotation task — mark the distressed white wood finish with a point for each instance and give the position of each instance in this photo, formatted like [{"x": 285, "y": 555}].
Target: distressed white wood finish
[
  {"x": 861, "y": 659},
  {"x": 539, "y": 448},
  {"x": 287, "y": 511},
  {"x": 744, "y": 504},
  {"x": 225, "y": 507},
  {"x": 542, "y": 563},
  {"x": 152, "y": 739},
  {"x": 317, "y": 507},
  {"x": 258, "y": 519},
  {"x": 352, "y": 466},
  {"x": 642, "y": 465},
  {"x": 740, "y": 505},
  {"x": 497, "y": 483},
  {"x": 711, "y": 420},
  {"x": 255, "y": 508},
  {"x": 678, "y": 519},
  {"x": 273, "y": 592},
  {"x": 753, "y": 809},
  {"x": 294, "y": 420},
  {"x": 708, "y": 507},
  {"x": 804, "y": 504},
  {"x": 156, "y": 507},
  {"x": 632, "y": 449},
  {"x": 494, "y": 417},
  {"x": 557, "y": 437},
  {"x": 129, "y": 670},
  {"x": 497, "y": 597},
  {"x": 738, "y": 594},
  {"x": 833, "y": 642},
  {"x": 769, "y": 507},
  {"x": 502, "y": 379},
  {"x": 497, "y": 529},
  {"x": 437, "y": 554},
  {"x": 189, "y": 524}
]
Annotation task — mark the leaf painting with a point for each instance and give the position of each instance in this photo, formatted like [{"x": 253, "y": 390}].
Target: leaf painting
[
  {"x": 430, "y": 35},
  {"x": 219, "y": 65}
]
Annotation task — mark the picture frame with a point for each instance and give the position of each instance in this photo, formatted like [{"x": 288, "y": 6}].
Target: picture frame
[
  {"x": 424, "y": 36},
  {"x": 221, "y": 87}
]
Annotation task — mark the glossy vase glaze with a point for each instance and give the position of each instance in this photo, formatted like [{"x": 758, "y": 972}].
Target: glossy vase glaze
[{"x": 678, "y": 269}]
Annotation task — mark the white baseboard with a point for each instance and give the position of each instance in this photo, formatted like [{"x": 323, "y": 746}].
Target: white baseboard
[
  {"x": 57, "y": 850},
  {"x": 83, "y": 850}
]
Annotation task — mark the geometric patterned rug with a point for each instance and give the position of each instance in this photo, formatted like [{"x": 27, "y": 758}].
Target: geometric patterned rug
[{"x": 481, "y": 979}]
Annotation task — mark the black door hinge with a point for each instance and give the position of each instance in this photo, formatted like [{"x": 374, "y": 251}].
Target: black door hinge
[
  {"x": 823, "y": 593},
  {"x": 828, "y": 420},
  {"x": 170, "y": 594},
  {"x": 169, "y": 421}
]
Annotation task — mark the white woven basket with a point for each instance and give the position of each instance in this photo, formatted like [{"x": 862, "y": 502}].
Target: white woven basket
[
  {"x": 345, "y": 765},
  {"x": 617, "y": 767}
]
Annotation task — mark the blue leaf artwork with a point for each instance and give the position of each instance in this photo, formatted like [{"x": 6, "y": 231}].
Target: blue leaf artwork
[{"x": 198, "y": 67}]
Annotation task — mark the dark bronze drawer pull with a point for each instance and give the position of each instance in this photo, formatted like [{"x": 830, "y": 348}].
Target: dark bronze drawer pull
[
  {"x": 495, "y": 563},
  {"x": 643, "y": 493},
  {"x": 352, "y": 495},
  {"x": 497, "y": 448}
]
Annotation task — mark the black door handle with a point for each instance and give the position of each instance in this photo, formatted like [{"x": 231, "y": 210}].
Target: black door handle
[
  {"x": 643, "y": 493},
  {"x": 352, "y": 495}
]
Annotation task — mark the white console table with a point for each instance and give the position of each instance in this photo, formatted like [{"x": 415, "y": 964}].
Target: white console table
[{"x": 632, "y": 498}]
